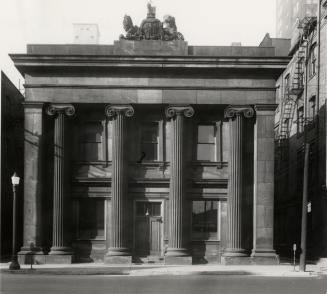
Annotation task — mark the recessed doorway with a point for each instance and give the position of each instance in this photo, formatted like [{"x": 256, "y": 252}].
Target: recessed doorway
[{"x": 148, "y": 229}]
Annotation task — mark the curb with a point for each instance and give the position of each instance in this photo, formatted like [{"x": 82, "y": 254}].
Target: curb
[
  {"x": 148, "y": 272},
  {"x": 66, "y": 272}
]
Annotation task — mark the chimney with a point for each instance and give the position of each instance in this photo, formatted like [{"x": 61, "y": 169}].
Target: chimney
[{"x": 86, "y": 33}]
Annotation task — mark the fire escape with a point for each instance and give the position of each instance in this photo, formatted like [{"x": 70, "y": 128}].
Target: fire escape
[{"x": 295, "y": 85}]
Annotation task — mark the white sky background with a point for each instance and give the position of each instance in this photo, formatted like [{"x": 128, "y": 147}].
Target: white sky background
[{"x": 205, "y": 22}]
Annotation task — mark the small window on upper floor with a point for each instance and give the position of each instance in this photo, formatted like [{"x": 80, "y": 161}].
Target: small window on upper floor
[
  {"x": 206, "y": 142},
  {"x": 91, "y": 141},
  {"x": 287, "y": 83},
  {"x": 312, "y": 63},
  {"x": 312, "y": 108},
  {"x": 300, "y": 120},
  {"x": 150, "y": 141}
]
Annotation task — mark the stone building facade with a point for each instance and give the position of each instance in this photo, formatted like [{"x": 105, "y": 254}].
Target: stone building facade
[{"x": 149, "y": 150}]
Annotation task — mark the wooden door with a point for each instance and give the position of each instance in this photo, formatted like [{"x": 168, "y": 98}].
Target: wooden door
[
  {"x": 155, "y": 235},
  {"x": 148, "y": 229}
]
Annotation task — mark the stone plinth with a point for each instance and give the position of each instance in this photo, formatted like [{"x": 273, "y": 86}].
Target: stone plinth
[
  {"x": 263, "y": 203},
  {"x": 150, "y": 47}
]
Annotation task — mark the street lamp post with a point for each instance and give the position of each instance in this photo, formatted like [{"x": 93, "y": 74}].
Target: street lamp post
[{"x": 14, "y": 265}]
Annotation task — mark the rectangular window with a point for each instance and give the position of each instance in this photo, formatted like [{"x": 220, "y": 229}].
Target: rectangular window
[
  {"x": 313, "y": 61},
  {"x": 205, "y": 220},
  {"x": 312, "y": 108},
  {"x": 287, "y": 83},
  {"x": 91, "y": 219},
  {"x": 300, "y": 120},
  {"x": 92, "y": 141},
  {"x": 206, "y": 143},
  {"x": 149, "y": 141},
  {"x": 148, "y": 208}
]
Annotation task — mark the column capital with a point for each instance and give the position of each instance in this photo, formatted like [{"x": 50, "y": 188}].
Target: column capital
[
  {"x": 174, "y": 110},
  {"x": 53, "y": 109},
  {"x": 124, "y": 109},
  {"x": 234, "y": 110}
]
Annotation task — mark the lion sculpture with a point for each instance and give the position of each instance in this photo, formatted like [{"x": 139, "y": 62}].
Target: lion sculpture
[
  {"x": 132, "y": 32},
  {"x": 170, "y": 29}
]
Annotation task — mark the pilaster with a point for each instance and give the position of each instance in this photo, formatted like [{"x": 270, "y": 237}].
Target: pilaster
[
  {"x": 263, "y": 202},
  {"x": 33, "y": 190},
  {"x": 177, "y": 251},
  {"x": 119, "y": 251}
]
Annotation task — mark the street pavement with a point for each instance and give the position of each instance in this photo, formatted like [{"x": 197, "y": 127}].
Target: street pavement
[{"x": 182, "y": 284}]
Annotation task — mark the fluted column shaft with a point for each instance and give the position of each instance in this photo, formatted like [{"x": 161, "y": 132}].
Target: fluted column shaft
[
  {"x": 118, "y": 245},
  {"x": 59, "y": 245},
  {"x": 236, "y": 116},
  {"x": 177, "y": 239}
]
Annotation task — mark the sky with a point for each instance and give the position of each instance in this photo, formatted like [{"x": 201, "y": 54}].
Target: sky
[{"x": 205, "y": 22}]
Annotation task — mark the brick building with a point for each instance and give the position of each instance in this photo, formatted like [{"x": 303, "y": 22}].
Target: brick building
[{"x": 301, "y": 118}]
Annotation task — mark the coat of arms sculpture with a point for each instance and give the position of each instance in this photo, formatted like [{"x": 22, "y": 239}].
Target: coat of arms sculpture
[{"x": 151, "y": 28}]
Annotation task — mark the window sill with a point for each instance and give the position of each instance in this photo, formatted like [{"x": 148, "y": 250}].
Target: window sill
[
  {"x": 205, "y": 240},
  {"x": 95, "y": 239},
  {"x": 98, "y": 162},
  {"x": 218, "y": 164}
]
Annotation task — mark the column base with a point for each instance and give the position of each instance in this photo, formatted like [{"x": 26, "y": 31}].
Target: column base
[
  {"x": 178, "y": 256},
  {"x": 235, "y": 256},
  {"x": 235, "y": 260},
  {"x": 121, "y": 255},
  {"x": 235, "y": 252},
  {"x": 177, "y": 252},
  {"x": 178, "y": 260},
  {"x": 61, "y": 255},
  {"x": 59, "y": 258},
  {"x": 264, "y": 256}
]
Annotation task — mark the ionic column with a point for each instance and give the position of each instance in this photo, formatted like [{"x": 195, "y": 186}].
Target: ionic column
[
  {"x": 263, "y": 202},
  {"x": 119, "y": 251},
  {"x": 177, "y": 232},
  {"x": 59, "y": 242},
  {"x": 236, "y": 116}
]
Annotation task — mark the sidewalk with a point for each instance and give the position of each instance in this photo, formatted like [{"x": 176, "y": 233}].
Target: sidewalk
[{"x": 284, "y": 270}]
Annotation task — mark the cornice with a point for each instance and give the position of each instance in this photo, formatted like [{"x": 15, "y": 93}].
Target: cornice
[
  {"x": 145, "y": 87},
  {"x": 24, "y": 61}
]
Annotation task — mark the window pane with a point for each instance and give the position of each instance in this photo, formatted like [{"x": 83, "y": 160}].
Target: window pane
[
  {"x": 206, "y": 152},
  {"x": 91, "y": 219},
  {"x": 204, "y": 220},
  {"x": 206, "y": 134},
  {"x": 150, "y": 150},
  {"x": 155, "y": 209},
  {"x": 150, "y": 132},
  {"x": 92, "y": 151},
  {"x": 92, "y": 132}
]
